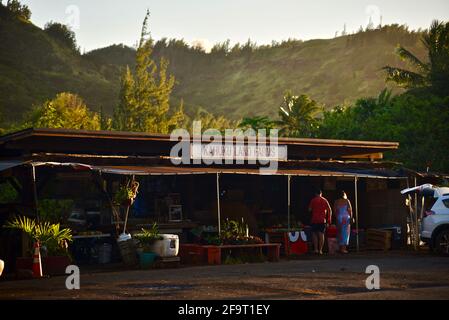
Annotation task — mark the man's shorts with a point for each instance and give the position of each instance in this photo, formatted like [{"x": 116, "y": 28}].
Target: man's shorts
[{"x": 318, "y": 227}]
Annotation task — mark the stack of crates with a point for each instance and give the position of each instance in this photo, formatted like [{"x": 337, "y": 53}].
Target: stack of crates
[{"x": 378, "y": 239}]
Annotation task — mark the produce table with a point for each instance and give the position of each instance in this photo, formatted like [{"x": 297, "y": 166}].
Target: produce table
[
  {"x": 214, "y": 252},
  {"x": 86, "y": 236},
  {"x": 85, "y": 247}
]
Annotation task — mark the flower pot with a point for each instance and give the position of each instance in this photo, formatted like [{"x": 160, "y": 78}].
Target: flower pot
[
  {"x": 55, "y": 266},
  {"x": 146, "y": 259},
  {"x": 24, "y": 263},
  {"x": 51, "y": 266}
]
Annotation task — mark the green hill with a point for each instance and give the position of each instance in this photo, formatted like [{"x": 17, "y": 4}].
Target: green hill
[
  {"x": 244, "y": 81},
  {"x": 34, "y": 67}
]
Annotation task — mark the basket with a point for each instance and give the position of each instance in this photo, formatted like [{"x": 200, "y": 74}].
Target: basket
[
  {"x": 146, "y": 259},
  {"x": 128, "y": 252}
]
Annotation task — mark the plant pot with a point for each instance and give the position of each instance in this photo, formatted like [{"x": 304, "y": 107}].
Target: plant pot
[
  {"x": 56, "y": 265},
  {"x": 52, "y": 266},
  {"x": 24, "y": 263},
  {"x": 146, "y": 259}
]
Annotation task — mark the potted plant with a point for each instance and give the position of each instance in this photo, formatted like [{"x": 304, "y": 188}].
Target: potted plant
[
  {"x": 147, "y": 240},
  {"x": 52, "y": 239},
  {"x": 126, "y": 194}
]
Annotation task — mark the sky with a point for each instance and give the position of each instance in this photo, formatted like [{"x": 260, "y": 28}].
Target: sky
[{"x": 100, "y": 23}]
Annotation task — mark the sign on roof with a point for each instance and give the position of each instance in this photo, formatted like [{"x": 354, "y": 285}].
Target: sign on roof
[{"x": 244, "y": 152}]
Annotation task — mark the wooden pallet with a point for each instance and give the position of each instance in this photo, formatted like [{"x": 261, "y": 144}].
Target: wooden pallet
[
  {"x": 378, "y": 239},
  {"x": 169, "y": 262}
]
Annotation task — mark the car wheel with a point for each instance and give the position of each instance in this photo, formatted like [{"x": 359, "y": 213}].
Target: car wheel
[{"x": 442, "y": 242}]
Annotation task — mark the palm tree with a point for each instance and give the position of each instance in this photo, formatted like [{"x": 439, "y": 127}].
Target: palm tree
[
  {"x": 432, "y": 74},
  {"x": 256, "y": 123},
  {"x": 298, "y": 116}
]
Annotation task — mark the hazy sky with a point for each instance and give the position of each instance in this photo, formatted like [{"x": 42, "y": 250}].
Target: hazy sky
[{"x": 100, "y": 23}]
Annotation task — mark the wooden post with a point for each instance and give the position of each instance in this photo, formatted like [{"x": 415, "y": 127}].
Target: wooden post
[
  {"x": 127, "y": 208},
  {"x": 218, "y": 204},
  {"x": 356, "y": 212},
  {"x": 415, "y": 221},
  {"x": 409, "y": 239},
  {"x": 288, "y": 201},
  {"x": 33, "y": 177}
]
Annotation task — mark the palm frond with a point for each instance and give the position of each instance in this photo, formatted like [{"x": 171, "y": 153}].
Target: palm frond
[
  {"x": 404, "y": 78},
  {"x": 406, "y": 55},
  {"x": 25, "y": 224},
  {"x": 384, "y": 97},
  {"x": 431, "y": 37}
]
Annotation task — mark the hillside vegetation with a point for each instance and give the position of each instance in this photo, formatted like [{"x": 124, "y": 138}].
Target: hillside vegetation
[{"x": 246, "y": 80}]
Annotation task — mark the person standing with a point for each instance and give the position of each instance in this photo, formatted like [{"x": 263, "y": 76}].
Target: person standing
[
  {"x": 343, "y": 213},
  {"x": 321, "y": 217}
]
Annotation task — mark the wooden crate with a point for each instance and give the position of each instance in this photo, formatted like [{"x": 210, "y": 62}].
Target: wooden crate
[
  {"x": 167, "y": 262},
  {"x": 378, "y": 239}
]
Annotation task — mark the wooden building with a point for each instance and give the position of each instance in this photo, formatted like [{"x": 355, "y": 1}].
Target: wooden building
[{"x": 85, "y": 169}]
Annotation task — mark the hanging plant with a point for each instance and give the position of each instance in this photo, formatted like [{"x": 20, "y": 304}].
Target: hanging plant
[{"x": 126, "y": 194}]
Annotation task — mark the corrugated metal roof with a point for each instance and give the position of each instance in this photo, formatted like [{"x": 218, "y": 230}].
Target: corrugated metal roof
[
  {"x": 176, "y": 170},
  {"x": 29, "y": 141},
  {"x": 184, "y": 170}
]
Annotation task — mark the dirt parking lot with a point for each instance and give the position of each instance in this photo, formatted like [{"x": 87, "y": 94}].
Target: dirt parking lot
[{"x": 403, "y": 275}]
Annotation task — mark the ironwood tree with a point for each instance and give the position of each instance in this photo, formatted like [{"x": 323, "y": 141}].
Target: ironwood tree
[{"x": 144, "y": 104}]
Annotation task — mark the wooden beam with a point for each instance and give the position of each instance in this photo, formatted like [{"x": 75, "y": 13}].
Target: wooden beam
[{"x": 371, "y": 156}]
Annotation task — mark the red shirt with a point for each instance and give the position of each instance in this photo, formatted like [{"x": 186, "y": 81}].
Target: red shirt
[{"x": 321, "y": 210}]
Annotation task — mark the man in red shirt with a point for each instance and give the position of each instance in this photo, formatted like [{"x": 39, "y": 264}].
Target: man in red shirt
[{"x": 321, "y": 217}]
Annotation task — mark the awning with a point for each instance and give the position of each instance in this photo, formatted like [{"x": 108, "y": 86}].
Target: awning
[
  {"x": 5, "y": 165},
  {"x": 191, "y": 170}
]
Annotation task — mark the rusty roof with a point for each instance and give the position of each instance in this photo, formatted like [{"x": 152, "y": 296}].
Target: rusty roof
[{"x": 32, "y": 140}]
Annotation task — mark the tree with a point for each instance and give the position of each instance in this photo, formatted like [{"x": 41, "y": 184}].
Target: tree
[
  {"x": 298, "y": 116},
  {"x": 145, "y": 95},
  {"x": 434, "y": 73},
  {"x": 66, "y": 110},
  {"x": 125, "y": 114},
  {"x": 256, "y": 123},
  {"x": 221, "y": 48},
  {"x": 19, "y": 10},
  {"x": 417, "y": 122},
  {"x": 210, "y": 121},
  {"x": 62, "y": 33}
]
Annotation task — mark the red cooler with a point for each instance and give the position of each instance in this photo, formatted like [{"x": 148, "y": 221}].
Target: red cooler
[{"x": 297, "y": 242}]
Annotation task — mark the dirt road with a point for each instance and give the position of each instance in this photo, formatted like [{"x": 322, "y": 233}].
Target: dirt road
[{"x": 402, "y": 276}]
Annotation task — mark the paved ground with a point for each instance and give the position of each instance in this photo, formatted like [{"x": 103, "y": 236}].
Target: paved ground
[{"x": 403, "y": 275}]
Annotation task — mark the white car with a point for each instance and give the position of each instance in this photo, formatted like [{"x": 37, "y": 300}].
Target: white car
[{"x": 434, "y": 228}]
